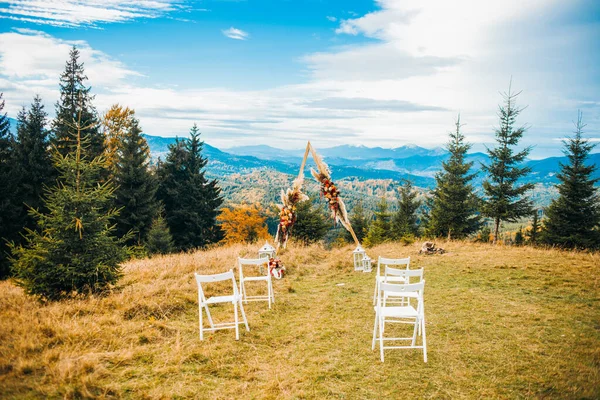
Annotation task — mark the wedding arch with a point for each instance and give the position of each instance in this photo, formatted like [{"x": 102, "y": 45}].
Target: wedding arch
[{"x": 292, "y": 196}]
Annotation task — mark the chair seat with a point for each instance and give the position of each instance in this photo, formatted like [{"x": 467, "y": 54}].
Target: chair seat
[
  {"x": 221, "y": 299},
  {"x": 398, "y": 312}
]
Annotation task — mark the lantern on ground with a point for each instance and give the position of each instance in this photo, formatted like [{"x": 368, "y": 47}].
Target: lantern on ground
[
  {"x": 267, "y": 251},
  {"x": 366, "y": 264},
  {"x": 358, "y": 253}
]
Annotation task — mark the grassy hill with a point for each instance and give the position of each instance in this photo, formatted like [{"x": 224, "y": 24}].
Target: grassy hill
[{"x": 502, "y": 322}]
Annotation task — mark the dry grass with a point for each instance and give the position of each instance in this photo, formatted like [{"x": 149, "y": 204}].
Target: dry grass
[{"x": 502, "y": 323}]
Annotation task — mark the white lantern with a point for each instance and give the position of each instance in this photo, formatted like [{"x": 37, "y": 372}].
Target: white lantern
[
  {"x": 366, "y": 264},
  {"x": 359, "y": 254},
  {"x": 267, "y": 251}
]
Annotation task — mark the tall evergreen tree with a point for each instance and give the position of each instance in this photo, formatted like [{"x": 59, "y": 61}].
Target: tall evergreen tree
[
  {"x": 135, "y": 195},
  {"x": 10, "y": 209},
  {"x": 73, "y": 250},
  {"x": 311, "y": 224},
  {"x": 159, "y": 239},
  {"x": 573, "y": 219},
  {"x": 454, "y": 205},
  {"x": 404, "y": 221},
  {"x": 505, "y": 198},
  {"x": 33, "y": 161},
  {"x": 359, "y": 222},
  {"x": 380, "y": 229},
  {"x": 534, "y": 232},
  {"x": 191, "y": 200},
  {"x": 75, "y": 104}
]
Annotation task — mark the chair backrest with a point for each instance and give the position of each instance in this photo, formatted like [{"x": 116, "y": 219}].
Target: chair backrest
[
  {"x": 256, "y": 262},
  {"x": 399, "y": 289},
  {"x": 404, "y": 273},
  {"x": 383, "y": 261},
  {"x": 224, "y": 276}
]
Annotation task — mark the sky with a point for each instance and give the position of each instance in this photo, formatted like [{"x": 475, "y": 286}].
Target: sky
[{"x": 375, "y": 73}]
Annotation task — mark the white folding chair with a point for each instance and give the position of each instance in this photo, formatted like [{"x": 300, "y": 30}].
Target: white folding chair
[
  {"x": 383, "y": 262},
  {"x": 235, "y": 299},
  {"x": 263, "y": 276},
  {"x": 400, "y": 314}
]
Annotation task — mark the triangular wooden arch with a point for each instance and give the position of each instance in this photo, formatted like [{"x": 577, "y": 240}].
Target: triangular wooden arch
[{"x": 293, "y": 196}]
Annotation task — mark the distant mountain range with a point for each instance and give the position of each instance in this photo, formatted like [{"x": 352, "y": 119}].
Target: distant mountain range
[{"x": 358, "y": 162}]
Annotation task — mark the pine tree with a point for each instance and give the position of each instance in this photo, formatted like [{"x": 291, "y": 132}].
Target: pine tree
[
  {"x": 359, "y": 222},
  {"x": 311, "y": 224},
  {"x": 75, "y": 104},
  {"x": 135, "y": 195},
  {"x": 10, "y": 209},
  {"x": 381, "y": 228},
  {"x": 191, "y": 200},
  {"x": 404, "y": 221},
  {"x": 73, "y": 250},
  {"x": 573, "y": 219},
  {"x": 533, "y": 233},
  {"x": 505, "y": 199},
  {"x": 454, "y": 205},
  {"x": 159, "y": 239},
  {"x": 35, "y": 171}
]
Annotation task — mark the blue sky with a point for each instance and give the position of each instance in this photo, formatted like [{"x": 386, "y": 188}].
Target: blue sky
[{"x": 376, "y": 73}]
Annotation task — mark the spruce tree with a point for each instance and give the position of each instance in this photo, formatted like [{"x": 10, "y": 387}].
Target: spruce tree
[
  {"x": 75, "y": 104},
  {"x": 454, "y": 205},
  {"x": 359, "y": 222},
  {"x": 381, "y": 228},
  {"x": 10, "y": 209},
  {"x": 505, "y": 198},
  {"x": 135, "y": 195},
  {"x": 573, "y": 219},
  {"x": 159, "y": 239},
  {"x": 73, "y": 251},
  {"x": 191, "y": 200},
  {"x": 33, "y": 161},
  {"x": 533, "y": 233},
  {"x": 311, "y": 224},
  {"x": 404, "y": 221}
]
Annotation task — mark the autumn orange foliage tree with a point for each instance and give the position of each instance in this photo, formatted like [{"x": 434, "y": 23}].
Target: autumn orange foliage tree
[
  {"x": 243, "y": 224},
  {"x": 116, "y": 122}
]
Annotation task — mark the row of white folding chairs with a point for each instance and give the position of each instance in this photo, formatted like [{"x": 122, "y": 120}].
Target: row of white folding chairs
[
  {"x": 237, "y": 298},
  {"x": 393, "y": 294}
]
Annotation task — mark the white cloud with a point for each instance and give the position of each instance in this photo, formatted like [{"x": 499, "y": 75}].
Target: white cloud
[
  {"x": 332, "y": 19},
  {"x": 427, "y": 62},
  {"x": 75, "y": 13},
  {"x": 234, "y": 33}
]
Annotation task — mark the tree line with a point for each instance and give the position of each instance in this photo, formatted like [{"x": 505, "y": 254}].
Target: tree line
[
  {"x": 454, "y": 211},
  {"x": 79, "y": 194}
]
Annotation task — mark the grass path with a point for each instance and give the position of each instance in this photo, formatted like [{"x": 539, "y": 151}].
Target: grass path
[{"x": 502, "y": 323}]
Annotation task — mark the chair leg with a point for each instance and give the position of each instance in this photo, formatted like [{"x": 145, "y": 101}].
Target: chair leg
[
  {"x": 424, "y": 340},
  {"x": 272, "y": 291},
  {"x": 375, "y": 291},
  {"x": 200, "y": 311},
  {"x": 416, "y": 328},
  {"x": 269, "y": 293},
  {"x": 244, "y": 315},
  {"x": 210, "y": 321},
  {"x": 237, "y": 328},
  {"x": 381, "y": 323},
  {"x": 374, "y": 331}
]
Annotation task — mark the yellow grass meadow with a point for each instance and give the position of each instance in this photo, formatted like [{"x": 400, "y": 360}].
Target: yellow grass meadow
[{"x": 502, "y": 322}]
